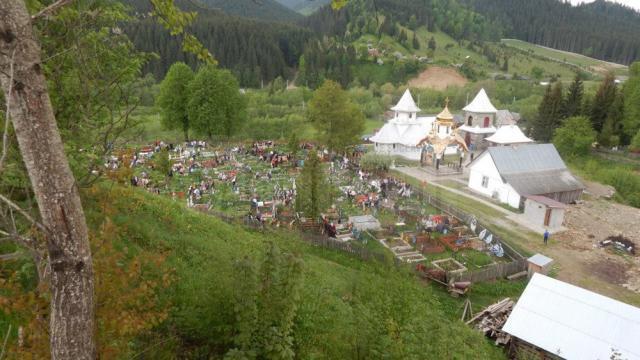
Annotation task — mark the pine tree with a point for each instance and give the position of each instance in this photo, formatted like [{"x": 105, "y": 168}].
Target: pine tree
[
  {"x": 413, "y": 23},
  {"x": 313, "y": 195},
  {"x": 505, "y": 64},
  {"x": 402, "y": 38},
  {"x": 612, "y": 130},
  {"x": 549, "y": 114},
  {"x": 415, "y": 42},
  {"x": 432, "y": 43},
  {"x": 573, "y": 101},
  {"x": 631, "y": 121},
  {"x": 602, "y": 102}
]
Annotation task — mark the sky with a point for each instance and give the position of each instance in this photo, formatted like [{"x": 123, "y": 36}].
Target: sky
[{"x": 633, "y": 3}]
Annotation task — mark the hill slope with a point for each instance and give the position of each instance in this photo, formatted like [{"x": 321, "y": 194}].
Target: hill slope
[
  {"x": 304, "y": 7},
  {"x": 348, "y": 308},
  {"x": 601, "y": 29},
  {"x": 263, "y": 9}
]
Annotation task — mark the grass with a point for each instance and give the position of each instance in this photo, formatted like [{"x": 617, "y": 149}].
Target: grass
[
  {"x": 203, "y": 250},
  {"x": 565, "y": 57}
]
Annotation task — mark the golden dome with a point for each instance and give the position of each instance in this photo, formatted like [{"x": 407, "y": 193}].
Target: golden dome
[{"x": 445, "y": 114}]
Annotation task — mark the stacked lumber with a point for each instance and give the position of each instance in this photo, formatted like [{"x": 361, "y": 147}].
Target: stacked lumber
[{"x": 490, "y": 320}]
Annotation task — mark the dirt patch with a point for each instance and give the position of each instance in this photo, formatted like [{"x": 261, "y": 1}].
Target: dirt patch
[
  {"x": 610, "y": 271},
  {"x": 438, "y": 78},
  {"x": 598, "y": 190},
  {"x": 579, "y": 251}
]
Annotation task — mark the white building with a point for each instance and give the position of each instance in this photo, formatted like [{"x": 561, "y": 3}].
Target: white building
[
  {"x": 553, "y": 319},
  {"x": 402, "y": 134},
  {"x": 510, "y": 173}
]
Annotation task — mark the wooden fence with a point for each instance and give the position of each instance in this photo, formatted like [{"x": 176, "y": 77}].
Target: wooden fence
[
  {"x": 487, "y": 273},
  {"x": 490, "y": 272}
]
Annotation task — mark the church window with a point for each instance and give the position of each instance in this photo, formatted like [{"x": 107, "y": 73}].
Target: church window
[
  {"x": 487, "y": 121},
  {"x": 485, "y": 181},
  {"x": 470, "y": 120}
]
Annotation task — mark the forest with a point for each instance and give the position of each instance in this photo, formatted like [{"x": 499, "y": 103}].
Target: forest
[{"x": 600, "y": 29}]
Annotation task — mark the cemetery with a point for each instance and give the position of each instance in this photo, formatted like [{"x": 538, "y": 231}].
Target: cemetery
[{"x": 257, "y": 183}]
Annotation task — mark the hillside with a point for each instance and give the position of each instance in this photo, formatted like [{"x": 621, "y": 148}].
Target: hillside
[
  {"x": 347, "y": 307},
  {"x": 601, "y": 29},
  {"x": 254, "y": 50},
  {"x": 304, "y": 7},
  {"x": 264, "y": 9}
]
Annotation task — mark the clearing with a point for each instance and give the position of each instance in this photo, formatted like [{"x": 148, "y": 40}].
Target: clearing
[
  {"x": 438, "y": 78},
  {"x": 586, "y": 63}
]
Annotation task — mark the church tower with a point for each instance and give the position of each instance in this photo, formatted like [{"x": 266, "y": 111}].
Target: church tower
[{"x": 406, "y": 109}]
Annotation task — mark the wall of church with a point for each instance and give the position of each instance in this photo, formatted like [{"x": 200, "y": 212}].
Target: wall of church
[
  {"x": 478, "y": 119},
  {"x": 408, "y": 152}
]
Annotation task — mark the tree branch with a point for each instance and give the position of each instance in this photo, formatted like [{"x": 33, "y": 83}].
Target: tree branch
[
  {"x": 5, "y": 136},
  {"x": 50, "y": 9},
  {"x": 17, "y": 208}
]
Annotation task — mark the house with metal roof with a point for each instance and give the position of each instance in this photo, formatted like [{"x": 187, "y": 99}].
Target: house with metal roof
[
  {"x": 556, "y": 320},
  {"x": 511, "y": 173}
]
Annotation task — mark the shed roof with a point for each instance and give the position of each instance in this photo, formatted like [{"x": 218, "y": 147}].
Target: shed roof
[
  {"x": 481, "y": 104},
  {"x": 406, "y": 103},
  {"x": 540, "y": 260},
  {"x": 574, "y": 323},
  {"x": 549, "y": 202}
]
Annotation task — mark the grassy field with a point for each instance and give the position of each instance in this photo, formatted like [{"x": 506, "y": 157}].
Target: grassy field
[{"x": 584, "y": 62}]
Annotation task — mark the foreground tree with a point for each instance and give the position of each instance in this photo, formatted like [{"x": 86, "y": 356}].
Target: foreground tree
[
  {"x": 62, "y": 218},
  {"x": 574, "y": 137},
  {"x": 313, "y": 191},
  {"x": 339, "y": 122},
  {"x": 216, "y": 107},
  {"x": 174, "y": 96}
]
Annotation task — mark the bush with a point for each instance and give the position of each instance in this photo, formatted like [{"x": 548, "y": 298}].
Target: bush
[
  {"x": 635, "y": 143},
  {"x": 574, "y": 137},
  {"x": 375, "y": 162}
]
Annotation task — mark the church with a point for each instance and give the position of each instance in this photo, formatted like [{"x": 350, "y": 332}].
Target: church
[{"x": 410, "y": 136}]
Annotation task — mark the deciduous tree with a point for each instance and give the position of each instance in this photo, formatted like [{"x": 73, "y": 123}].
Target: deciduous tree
[
  {"x": 574, "y": 137},
  {"x": 216, "y": 107},
  {"x": 339, "y": 122},
  {"x": 174, "y": 97}
]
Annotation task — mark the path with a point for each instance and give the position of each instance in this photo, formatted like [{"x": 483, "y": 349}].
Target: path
[{"x": 421, "y": 175}]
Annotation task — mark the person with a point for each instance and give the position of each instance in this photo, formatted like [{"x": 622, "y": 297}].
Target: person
[{"x": 546, "y": 236}]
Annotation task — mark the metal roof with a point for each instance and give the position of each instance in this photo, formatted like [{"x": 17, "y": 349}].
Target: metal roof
[
  {"x": 549, "y": 202},
  {"x": 540, "y": 260},
  {"x": 526, "y": 158},
  {"x": 574, "y": 323},
  {"x": 533, "y": 169}
]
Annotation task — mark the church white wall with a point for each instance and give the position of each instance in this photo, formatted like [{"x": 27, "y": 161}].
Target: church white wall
[
  {"x": 494, "y": 187},
  {"x": 408, "y": 152}
]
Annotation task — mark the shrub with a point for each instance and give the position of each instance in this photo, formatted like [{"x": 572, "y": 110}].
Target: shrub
[{"x": 375, "y": 162}]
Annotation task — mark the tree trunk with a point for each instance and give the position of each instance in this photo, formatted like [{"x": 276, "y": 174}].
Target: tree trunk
[{"x": 71, "y": 279}]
